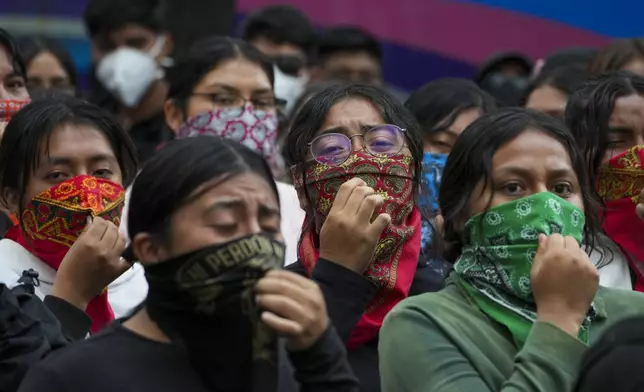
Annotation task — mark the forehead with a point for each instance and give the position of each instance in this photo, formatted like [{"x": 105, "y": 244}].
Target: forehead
[
  {"x": 46, "y": 63},
  {"x": 352, "y": 113},
  {"x": 239, "y": 73},
  {"x": 355, "y": 60},
  {"x": 464, "y": 119},
  {"x": 130, "y": 31},
  {"x": 247, "y": 186},
  {"x": 532, "y": 150},
  {"x": 547, "y": 97},
  {"x": 271, "y": 48},
  {"x": 628, "y": 110},
  {"x": 636, "y": 66},
  {"x": 75, "y": 142}
]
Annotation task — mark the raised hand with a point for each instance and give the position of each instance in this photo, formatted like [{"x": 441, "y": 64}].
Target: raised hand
[
  {"x": 564, "y": 282},
  {"x": 92, "y": 263},
  {"x": 349, "y": 235}
]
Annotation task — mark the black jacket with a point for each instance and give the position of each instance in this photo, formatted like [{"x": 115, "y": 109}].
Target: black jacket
[
  {"x": 347, "y": 295},
  {"x": 30, "y": 329}
]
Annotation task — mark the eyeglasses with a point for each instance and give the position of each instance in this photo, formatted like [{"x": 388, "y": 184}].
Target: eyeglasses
[
  {"x": 236, "y": 103},
  {"x": 333, "y": 149}
]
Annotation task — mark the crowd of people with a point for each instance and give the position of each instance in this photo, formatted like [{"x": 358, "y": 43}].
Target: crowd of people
[{"x": 265, "y": 213}]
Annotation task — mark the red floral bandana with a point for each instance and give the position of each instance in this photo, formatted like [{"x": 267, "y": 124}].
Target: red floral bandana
[
  {"x": 9, "y": 107},
  {"x": 396, "y": 257},
  {"x": 620, "y": 184},
  {"x": 53, "y": 221}
]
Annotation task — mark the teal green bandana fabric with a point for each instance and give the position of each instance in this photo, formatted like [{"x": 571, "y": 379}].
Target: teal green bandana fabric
[{"x": 499, "y": 246}]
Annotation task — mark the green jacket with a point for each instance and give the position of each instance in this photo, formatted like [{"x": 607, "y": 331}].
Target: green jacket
[{"x": 442, "y": 342}]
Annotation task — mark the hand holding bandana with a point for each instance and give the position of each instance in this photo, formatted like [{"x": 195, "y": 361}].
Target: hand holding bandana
[
  {"x": 499, "y": 247},
  {"x": 204, "y": 300}
]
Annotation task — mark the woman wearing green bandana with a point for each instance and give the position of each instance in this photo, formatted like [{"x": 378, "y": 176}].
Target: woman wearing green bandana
[{"x": 524, "y": 301}]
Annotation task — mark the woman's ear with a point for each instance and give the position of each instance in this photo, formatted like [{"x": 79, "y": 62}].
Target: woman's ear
[
  {"x": 146, "y": 250},
  {"x": 11, "y": 201},
  {"x": 168, "y": 46},
  {"x": 173, "y": 115}
]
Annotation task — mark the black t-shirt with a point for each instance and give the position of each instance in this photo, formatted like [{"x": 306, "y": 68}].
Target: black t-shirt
[{"x": 120, "y": 360}]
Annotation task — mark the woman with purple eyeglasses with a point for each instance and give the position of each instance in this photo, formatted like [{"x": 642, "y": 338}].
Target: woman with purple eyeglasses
[{"x": 355, "y": 154}]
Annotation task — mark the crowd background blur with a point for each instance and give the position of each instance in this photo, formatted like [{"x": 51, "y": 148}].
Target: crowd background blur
[{"x": 421, "y": 40}]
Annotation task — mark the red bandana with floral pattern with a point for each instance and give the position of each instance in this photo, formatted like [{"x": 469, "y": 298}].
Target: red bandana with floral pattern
[
  {"x": 53, "y": 220},
  {"x": 620, "y": 184},
  {"x": 396, "y": 256}
]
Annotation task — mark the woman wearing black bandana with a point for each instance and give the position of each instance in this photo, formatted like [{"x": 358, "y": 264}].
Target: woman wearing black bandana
[{"x": 205, "y": 223}]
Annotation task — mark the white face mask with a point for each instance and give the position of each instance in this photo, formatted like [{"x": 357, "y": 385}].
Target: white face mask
[
  {"x": 128, "y": 73},
  {"x": 289, "y": 87}
]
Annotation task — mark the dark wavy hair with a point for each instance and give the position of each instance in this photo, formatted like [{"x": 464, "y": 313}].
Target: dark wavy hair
[{"x": 615, "y": 55}]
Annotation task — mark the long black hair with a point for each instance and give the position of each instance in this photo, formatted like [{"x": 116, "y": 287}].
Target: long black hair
[
  {"x": 588, "y": 113},
  {"x": 437, "y": 104},
  {"x": 9, "y": 44},
  {"x": 32, "y": 127},
  {"x": 470, "y": 162},
  {"x": 616, "y": 55},
  {"x": 190, "y": 163}
]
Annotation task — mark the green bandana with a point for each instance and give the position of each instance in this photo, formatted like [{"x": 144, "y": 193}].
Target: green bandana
[{"x": 498, "y": 250}]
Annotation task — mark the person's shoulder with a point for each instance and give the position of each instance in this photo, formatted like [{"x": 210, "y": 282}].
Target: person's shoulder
[
  {"x": 79, "y": 364},
  {"x": 445, "y": 302},
  {"x": 620, "y": 298},
  {"x": 84, "y": 357}
]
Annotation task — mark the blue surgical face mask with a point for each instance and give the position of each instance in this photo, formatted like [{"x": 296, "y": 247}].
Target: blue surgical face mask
[{"x": 433, "y": 165}]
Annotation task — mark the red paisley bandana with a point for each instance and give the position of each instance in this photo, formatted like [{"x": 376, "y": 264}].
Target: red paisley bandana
[
  {"x": 396, "y": 256},
  {"x": 53, "y": 220},
  {"x": 9, "y": 107},
  {"x": 620, "y": 183}
]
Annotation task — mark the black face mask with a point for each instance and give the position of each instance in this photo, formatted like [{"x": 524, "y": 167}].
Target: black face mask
[
  {"x": 289, "y": 64},
  {"x": 205, "y": 302},
  {"x": 509, "y": 90}
]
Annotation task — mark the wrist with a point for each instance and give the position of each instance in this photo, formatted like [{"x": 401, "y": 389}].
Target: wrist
[
  {"x": 69, "y": 295},
  {"x": 567, "y": 322},
  {"x": 341, "y": 261}
]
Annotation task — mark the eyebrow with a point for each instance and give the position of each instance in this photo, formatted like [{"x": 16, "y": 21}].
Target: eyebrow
[
  {"x": 54, "y": 160},
  {"x": 342, "y": 129},
  {"x": 269, "y": 210},
  {"x": 447, "y": 131},
  {"x": 14, "y": 74},
  {"x": 620, "y": 129},
  {"x": 235, "y": 90},
  {"x": 236, "y": 203},
  {"x": 224, "y": 205},
  {"x": 559, "y": 172}
]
